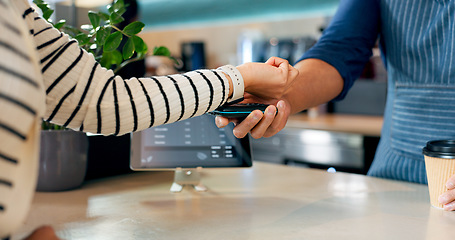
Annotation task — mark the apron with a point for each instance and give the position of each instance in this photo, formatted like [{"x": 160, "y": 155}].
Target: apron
[{"x": 418, "y": 41}]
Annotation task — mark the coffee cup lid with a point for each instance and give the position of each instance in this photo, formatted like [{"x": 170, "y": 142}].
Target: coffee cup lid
[{"x": 440, "y": 149}]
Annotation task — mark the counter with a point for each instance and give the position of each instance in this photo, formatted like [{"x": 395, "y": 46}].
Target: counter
[
  {"x": 358, "y": 124},
  {"x": 346, "y": 142},
  {"x": 263, "y": 202}
]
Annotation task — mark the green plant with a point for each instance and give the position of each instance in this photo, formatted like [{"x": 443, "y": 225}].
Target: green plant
[{"x": 102, "y": 38}]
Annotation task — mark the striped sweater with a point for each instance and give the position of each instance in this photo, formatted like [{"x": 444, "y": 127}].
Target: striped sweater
[{"x": 44, "y": 74}]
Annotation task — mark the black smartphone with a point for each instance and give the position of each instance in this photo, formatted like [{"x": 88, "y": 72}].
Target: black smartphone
[{"x": 239, "y": 110}]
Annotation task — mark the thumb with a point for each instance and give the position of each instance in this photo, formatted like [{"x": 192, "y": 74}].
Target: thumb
[
  {"x": 284, "y": 66},
  {"x": 293, "y": 73}
]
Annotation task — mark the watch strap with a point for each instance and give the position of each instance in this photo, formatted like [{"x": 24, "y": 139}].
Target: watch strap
[{"x": 238, "y": 86}]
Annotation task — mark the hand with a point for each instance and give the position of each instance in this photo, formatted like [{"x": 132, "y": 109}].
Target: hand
[
  {"x": 43, "y": 233},
  {"x": 448, "y": 198},
  {"x": 259, "y": 124},
  {"x": 264, "y": 83},
  {"x": 268, "y": 80}
]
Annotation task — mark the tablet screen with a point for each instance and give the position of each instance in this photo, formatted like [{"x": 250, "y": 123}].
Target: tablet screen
[{"x": 191, "y": 143}]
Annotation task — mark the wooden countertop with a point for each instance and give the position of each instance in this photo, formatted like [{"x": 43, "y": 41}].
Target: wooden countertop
[
  {"x": 359, "y": 124},
  {"x": 263, "y": 202}
]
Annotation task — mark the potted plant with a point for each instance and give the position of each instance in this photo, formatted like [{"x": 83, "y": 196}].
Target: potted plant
[{"x": 64, "y": 152}]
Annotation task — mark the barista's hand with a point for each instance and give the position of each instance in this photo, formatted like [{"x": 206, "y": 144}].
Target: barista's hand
[
  {"x": 448, "y": 198},
  {"x": 43, "y": 233},
  {"x": 267, "y": 84},
  {"x": 268, "y": 80},
  {"x": 259, "y": 124}
]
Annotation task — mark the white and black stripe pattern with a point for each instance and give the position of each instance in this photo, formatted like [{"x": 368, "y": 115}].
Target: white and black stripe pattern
[
  {"x": 196, "y": 95},
  {"x": 12, "y": 74},
  {"x": 112, "y": 105},
  {"x": 149, "y": 102},
  {"x": 166, "y": 99},
  {"x": 44, "y": 73},
  {"x": 22, "y": 101},
  {"x": 98, "y": 105},
  {"x": 180, "y": 98},
  {"x": 78, "y": 106}
]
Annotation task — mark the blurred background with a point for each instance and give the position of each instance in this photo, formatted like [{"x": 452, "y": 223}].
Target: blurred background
[{"x": 211, "y": 33}]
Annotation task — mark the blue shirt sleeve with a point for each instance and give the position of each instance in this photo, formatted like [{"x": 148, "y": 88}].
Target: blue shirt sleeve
[{"x": 347, "y": 42}]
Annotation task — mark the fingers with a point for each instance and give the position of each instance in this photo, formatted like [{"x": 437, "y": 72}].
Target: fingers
[
  {"x": 287, "y": 69},
  {"x": 279, "y": 121},
  {"x": 293, "y": 73},
  {"x": 262, "y": 127},
  {"x": 221, "y": 122},
  {"x": 271, "y": 61},
  {"x": 45, "y": 232},
  {"x": 276, "y": 61},
  {"x": 448, "y": 198},
  {"x": 244, "y": 127},
  {"x": 282, "y": 64},
  {"x": 451, "y": 183}
]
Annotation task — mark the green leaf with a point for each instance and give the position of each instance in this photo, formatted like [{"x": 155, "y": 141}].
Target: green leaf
[
  {"x": 110, "y": 8},
  {"x": 103, "y": 16},
  {"x": 47, "y": 13},
  {"x": 94, "y": 19},
  {"x": 176, "y": 61},
  {"x": 117, "y": 57},
  {"x": 139, "y": 45},
  {"x": 38, "y": 2},
  {"x": 112, "y": 42},
  {"x": 118, "y": 5},
  {"x": 116, "y": 18},
  {"x": 72, "y": 31},
  {"x": 82, "y": 38},
  {"x": 105, "y": 61},
  {"x": 121, "y": 11},
  {"x": 133, "y": 28},
  {"x": 101, "y": 35},
  {"x": 60, "y": 24},
  {"x": 111, "y": 58},
  {"x": 44, "y": 7},
  {"x": 161, "y": 51},
  {"x": 128, "y": 49}
]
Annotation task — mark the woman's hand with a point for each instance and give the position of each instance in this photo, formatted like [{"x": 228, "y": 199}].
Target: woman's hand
[
  {"x": 268, "y": 80},
  {"x": 448, "y": 198}
]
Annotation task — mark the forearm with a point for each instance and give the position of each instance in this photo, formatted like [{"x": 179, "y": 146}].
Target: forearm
[
  {"x": 318, "y": 82},
  {"x": 83, "y": 95}
]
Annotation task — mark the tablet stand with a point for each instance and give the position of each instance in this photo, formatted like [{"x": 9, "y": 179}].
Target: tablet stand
[{"x": 184, "y": 177}]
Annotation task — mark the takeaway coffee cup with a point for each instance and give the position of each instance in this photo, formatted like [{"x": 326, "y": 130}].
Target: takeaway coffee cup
[{"x": 440, "y": 166}]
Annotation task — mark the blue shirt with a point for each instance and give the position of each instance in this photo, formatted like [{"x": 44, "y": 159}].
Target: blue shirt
[{"x": 417, "y": 41}]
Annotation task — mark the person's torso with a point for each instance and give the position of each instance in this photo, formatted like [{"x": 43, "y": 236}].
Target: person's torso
[{"x": 419, "y": 40}]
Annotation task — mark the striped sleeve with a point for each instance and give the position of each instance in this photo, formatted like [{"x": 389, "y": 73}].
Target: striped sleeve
[
  {"x": 81, "y": 92},
  {"x": 21, "y": 106}
]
